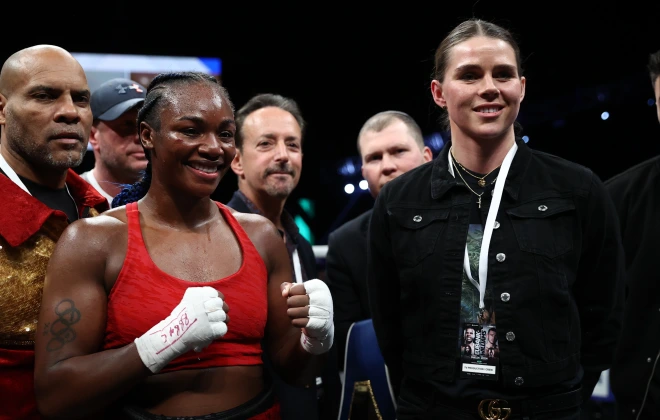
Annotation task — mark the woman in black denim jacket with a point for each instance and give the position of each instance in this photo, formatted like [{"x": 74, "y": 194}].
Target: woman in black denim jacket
[{"x": 493, "y": 236}]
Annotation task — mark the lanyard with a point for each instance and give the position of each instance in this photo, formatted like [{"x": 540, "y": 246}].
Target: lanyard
[
  {"x": 488, "y": 228},
  {"x": 296, "y": 266},
  {"x": 11, "y": 174}
]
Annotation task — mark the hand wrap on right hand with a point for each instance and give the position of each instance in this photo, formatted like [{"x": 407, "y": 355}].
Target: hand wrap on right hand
[{"x": 193, "y": 324}]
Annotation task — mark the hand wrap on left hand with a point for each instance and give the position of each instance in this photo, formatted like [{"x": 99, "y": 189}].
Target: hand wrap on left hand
[{"x": 318, "y": 335}]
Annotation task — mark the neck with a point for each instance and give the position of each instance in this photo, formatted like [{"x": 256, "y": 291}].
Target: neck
[
  {"x": 481, "y": 156},
  {"x": 110, "y": 183},
  {"x": 270, "y": 207},
  {"x": 177, "y": 210},
  {"x": 46, "y": 176}
]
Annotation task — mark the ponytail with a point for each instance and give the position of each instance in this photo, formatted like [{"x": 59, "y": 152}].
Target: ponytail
[{"x": 133, "y": 192}]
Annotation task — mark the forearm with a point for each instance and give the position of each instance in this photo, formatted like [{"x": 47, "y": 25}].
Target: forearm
[
  {"x": 296, "y": 365},
  {"x": 79, "y": 386}
]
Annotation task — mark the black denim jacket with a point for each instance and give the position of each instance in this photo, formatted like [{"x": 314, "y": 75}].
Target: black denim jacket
[{"x": 555, "y": 264}]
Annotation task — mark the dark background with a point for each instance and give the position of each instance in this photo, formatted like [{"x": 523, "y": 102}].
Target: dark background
[{"x": 344, "y": 62}]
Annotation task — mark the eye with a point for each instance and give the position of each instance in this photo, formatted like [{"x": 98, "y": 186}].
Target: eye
[
  {"x": 504, "y": 75},
  {"x": 294, "y": 145},
  {"x": 226, "y": 133},
  {"x": 189, "y": 131},
  {"x": 468, "y": 76},
  {"x": 81, "y": 99},
  {"x": 42, "y": 96}
]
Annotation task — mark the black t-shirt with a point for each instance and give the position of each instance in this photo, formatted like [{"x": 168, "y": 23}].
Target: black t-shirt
[{"x": 56, "y": 199}]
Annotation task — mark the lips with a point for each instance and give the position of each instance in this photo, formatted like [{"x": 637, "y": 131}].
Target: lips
[
  {"x": 69, "y": 135},
  {"x": 206, "y": 167},
  {"x": 489, "y": 109},
  {"x": 278, "y": 171}
]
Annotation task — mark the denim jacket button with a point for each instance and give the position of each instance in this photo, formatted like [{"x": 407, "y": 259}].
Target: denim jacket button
[
  {"x": 505, "y": 297},
  {"x": 543, "y": 207},
  {"x": 510, "y": 336},
  {"x": 519, "y": 381},
  {"x": 500, "y": 257},
  {"x": 496, "y": 225},
  {"x": 417, "y": 218}
]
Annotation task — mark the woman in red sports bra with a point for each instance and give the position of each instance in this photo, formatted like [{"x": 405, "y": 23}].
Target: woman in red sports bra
[{"x": 158, "y": 308}]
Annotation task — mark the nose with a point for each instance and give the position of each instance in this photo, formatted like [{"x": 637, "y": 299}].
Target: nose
[
  {"x": 68, "y": 111},
  {"x": 488, "y": 88},
  {"x": 211, "y": 147},
  {"x": 281, "y": 152},
  {"x": 387, "y": 165}
]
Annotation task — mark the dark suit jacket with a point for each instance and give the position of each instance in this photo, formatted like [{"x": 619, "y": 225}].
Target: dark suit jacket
[
  {"x": 298, "y": 403},
  {"x": 346, "y": 272}
]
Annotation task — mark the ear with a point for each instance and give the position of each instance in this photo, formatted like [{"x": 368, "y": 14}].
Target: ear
[
  {"x": 93, "y": 139},
  {"x": 438, "y": 94},
  {"x": 146, "y": 136},
  {"x": 237, "y": 163},
  {"x": 523, "y": 83},
  {"x": 3, "y": 104},
  {"x": 428, "y": 154}
]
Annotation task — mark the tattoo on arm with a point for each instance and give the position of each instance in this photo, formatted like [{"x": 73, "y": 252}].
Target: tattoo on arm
[{"x": 61, "y": 328}]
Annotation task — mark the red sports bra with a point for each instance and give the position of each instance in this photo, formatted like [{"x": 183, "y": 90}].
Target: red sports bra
[{"x": 143, "y": 295}]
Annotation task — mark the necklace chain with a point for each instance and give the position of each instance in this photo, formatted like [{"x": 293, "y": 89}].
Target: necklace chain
[
  {"x": 481, "y": 179},
  {"x": 454, "y": 161}
]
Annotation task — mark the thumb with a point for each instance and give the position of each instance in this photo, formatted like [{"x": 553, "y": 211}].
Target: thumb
[{"x": 285, "y": 287}]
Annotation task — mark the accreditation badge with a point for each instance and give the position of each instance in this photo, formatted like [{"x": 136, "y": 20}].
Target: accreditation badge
[{"x": 480, "y": 351}]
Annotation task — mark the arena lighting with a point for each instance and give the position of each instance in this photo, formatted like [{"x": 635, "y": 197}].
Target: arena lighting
[
  {"x": 605, "y": 115},
  {"x": 650, "y": 102},
  {"x": 434, "y": 141},
  {"x": 348, "y": 168},
  {"x": 364, "y": 185},
  {"x": 525, "y": 138},
  {"x": 349, "y": 188}
]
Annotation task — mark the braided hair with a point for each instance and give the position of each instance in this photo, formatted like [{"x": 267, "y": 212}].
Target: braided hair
[{"x": 150, "y": 112}]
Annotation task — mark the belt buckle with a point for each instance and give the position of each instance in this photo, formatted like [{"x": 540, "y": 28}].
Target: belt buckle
[{"x": 488, "y": 409}]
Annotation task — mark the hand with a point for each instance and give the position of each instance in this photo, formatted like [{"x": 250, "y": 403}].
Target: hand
[
  {"x": 310, "y": 308},
  {"x": 298, "y": 302},
  {"x": 200, "y": 318}
]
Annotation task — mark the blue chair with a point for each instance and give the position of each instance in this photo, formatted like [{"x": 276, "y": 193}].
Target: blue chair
[{"x": 366, "y": 390}]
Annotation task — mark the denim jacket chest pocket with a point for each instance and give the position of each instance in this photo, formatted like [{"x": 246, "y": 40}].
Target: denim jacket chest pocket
[
  {"x": 415, "y": 232},
  {"x": 545, "y": 226}
]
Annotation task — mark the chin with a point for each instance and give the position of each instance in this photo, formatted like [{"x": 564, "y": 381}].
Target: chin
[{"x": 67, "y": 161}]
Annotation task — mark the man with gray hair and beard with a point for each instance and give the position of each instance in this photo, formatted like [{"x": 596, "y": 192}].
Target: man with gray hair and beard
[
  {"x": 45, "y": 121},
  {"x": 268, "y": 163}
]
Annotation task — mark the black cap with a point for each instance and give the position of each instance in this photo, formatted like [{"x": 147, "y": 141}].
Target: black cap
[{"x": 115, "y": 97}]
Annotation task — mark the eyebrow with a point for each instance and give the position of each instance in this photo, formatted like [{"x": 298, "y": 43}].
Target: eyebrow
[
  {"x": 467, "y": 67},
  {"x": 199, "y": 120},
  {"x": 53, "y": 90}
]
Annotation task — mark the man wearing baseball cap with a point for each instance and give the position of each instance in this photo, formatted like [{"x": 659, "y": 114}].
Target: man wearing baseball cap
[{"x": 118, "y": 154}]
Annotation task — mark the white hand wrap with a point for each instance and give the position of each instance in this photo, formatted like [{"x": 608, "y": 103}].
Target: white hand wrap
[
  {"x": 317, "y": 337},
  {"x": 193, "y": 324}
]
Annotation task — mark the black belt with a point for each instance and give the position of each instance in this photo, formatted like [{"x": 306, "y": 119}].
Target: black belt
[{"x": 494, "y": 408}]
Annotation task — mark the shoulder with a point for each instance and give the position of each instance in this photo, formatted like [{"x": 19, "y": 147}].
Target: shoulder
[
  {"x": 257, "y": 227},
  {"x": 351, "y": 228},
  {"x": 554, "y": 163},
  {"x": 413, "y": 176},
  {"x": 408, "y": 185},
  {"x": 648, "y": 169},
  {"x": 97, "y": 233}
]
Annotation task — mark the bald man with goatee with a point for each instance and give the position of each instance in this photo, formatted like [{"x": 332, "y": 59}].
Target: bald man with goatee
[{"x": 45, "y": 121}]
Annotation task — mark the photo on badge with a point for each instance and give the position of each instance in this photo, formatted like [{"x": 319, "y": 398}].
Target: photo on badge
[{"x": 479, "y": 351}]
